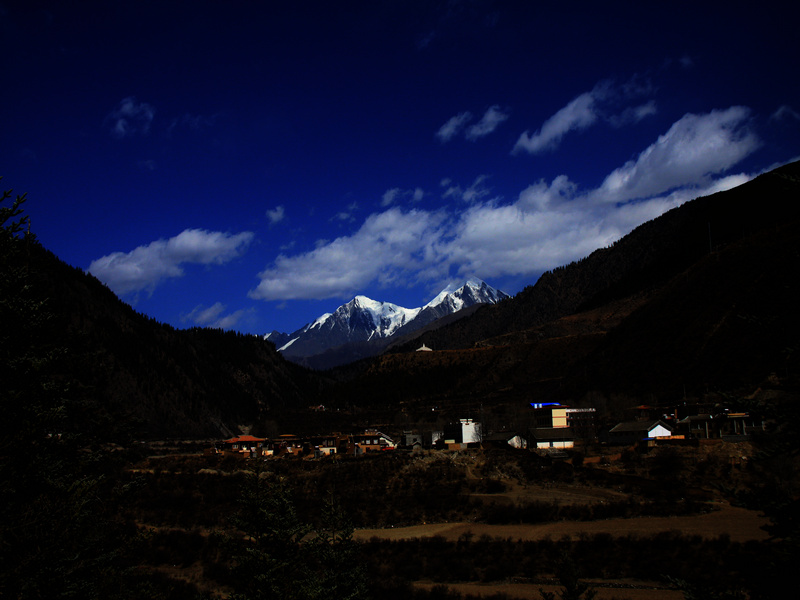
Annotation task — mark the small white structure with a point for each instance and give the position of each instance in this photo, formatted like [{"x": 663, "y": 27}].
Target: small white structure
[
  {"x": 470, "y": 431},
  {"x": 634, "y": 431},
  {"x": 424, "y": 348}
]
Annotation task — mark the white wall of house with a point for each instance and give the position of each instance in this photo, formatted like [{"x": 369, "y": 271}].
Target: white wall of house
[
  {"x": 659, "y": 431},
  {"x": 470, "y": 431},
  {"x": 556, "y": 444}
]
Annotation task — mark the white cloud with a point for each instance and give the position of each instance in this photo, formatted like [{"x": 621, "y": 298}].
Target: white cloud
[
  {"x": 387, "y": 245},
  {"x": 507, "y": 240},
  {"x": 695, "y": 148},
  {"x": 130, "y": 118},
  {"x": 490, "y": 121},
  {"x": 276, "y": 215},
  {"x": 579, "y": 114},
  {"x": 541, "y": 196},
  {"x": 147, "y": 266},
  {"x": 547, "y": 225},
  {"x": 453, "y": 126}
]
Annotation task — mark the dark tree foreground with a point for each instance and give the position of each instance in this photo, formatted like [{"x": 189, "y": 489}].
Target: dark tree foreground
[
  {"x": 48, "y": 542},
  {"x": 281, "y": 557}
]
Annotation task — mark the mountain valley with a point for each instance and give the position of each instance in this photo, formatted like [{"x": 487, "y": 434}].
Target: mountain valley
[{"x": 108, "y": 417}]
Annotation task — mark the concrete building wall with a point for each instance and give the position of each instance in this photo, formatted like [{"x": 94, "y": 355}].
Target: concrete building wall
[{"x": 470, "y": 431}]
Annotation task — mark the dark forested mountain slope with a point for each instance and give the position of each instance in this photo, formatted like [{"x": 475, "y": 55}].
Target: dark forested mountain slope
[
  {"x": 728, "y": 322},
  {"x": 135, "y": 376},
  {"x": 648, "y": 256}
]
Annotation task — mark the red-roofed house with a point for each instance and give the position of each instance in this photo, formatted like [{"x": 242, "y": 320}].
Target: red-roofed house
[{"x": 244, "y": 444}]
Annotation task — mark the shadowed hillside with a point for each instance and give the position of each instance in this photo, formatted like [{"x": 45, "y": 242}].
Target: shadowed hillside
[
  {"x": 699, "y": 300},
  {"x": 138, "y": 377},
  {"x": 647, "y": 257}
]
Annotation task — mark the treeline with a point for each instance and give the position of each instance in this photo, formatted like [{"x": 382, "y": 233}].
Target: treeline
[{"x": 718, "y": 566}]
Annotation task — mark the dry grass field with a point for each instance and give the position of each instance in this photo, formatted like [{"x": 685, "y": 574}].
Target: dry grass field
[
  {"x": 740, "y": 524},
  {"x": 622, "y": 590}
]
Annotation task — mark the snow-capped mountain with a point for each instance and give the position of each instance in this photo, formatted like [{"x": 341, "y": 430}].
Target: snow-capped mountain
[
  {"x": 450, "y": 301},
  {"x": 367, "y": 321}
]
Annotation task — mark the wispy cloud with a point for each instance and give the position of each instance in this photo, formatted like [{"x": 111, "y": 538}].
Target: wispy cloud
[
  {"x": 130, "y": 117},
  {"x": 347, "y": 214},
  {"x": 190, "y": 122},
  {"x": 604, "y": 103},
  {"x": 395, "y": 195},
  {"x": 212, "y": 316},
  {"x": 579, "y": 114},
  {"x": 147, "y": 266},
  {"x": 477, "y": 190},
  {"x": 633, "y": 114},
  {"x": 490, "y": 121},
  {"x": 276, "y": 215},
  {"x": 453, "y": 127},
  {"x": 547, "y": 225},
  {"x": 785, "y": 112},
  {"x": 390, "y": 196}
]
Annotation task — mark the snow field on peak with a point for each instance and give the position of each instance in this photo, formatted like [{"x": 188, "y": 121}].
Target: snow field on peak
[{"x": 386, "y": 317}]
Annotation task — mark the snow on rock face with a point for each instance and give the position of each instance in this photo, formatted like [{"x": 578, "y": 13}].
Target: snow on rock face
[
  {"x": 364, "y": 319},
  {"x": 385, "y": 316}
]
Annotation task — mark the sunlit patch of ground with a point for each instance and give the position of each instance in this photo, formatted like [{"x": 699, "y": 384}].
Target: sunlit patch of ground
[
  {"x": 739, "y": 524},
  {"x": 622, "y": 589}
]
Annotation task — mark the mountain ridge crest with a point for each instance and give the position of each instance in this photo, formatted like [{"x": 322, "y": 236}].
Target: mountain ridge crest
[{"x": 363, "y": 319}]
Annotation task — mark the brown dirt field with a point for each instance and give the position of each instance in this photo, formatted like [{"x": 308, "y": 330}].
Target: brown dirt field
[
  {"x": 647, "y": 591},
  {"x": 561, "y": 493},
  {"x": 740, "y": 524}
]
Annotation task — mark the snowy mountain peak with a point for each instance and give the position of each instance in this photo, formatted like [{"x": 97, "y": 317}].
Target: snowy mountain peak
[
  {"x": 474, "y": 291},
  {"x": 363, "y": 319},
  {"x": 385, "y": 316}
]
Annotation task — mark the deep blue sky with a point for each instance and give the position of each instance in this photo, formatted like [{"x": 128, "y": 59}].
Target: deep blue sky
[{"x": 252, "y": 165}]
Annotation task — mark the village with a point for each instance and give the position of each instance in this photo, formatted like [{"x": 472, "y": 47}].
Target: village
[{"x": 556, "y": 429}]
